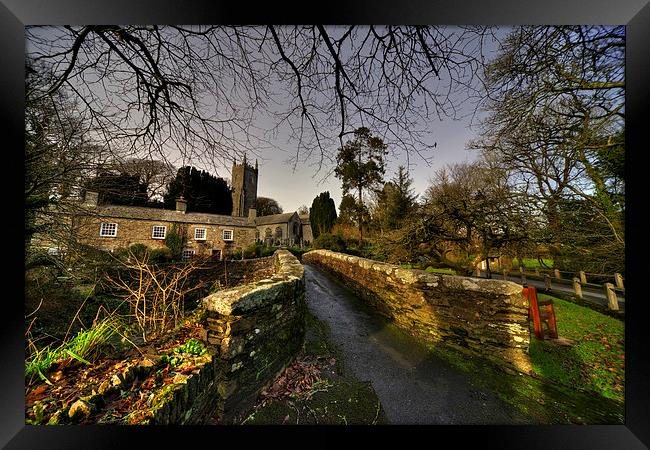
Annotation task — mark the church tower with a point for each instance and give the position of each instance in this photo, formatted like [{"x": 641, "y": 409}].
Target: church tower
[{"x": 244, "y": 188}]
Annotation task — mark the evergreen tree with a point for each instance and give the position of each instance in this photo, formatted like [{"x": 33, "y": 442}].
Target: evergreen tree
[
  {"x": 395, "y": 201},
  {"x": 360, "y": 165},
  {"x": 322, "y": 214},
  {"x": 119, "y": 189},
  {"x": 202, "y": 191},
  {"x": 348, "y": 210},
  {"x": 267, "y": 206}
]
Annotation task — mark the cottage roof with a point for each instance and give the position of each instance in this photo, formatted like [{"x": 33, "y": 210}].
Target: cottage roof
[
  {"x": 166, "y": 215},
  {"x": 275, "y": 218}
]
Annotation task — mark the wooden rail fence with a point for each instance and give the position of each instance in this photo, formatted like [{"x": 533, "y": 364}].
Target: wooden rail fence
[{"x": 578, "y": 280}]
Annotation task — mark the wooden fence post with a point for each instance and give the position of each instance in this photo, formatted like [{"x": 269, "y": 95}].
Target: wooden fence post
[
  {"x": 577, "y": 287},
  {"x": 537, "y": 271},
  {"x": 612, "y": 300},
  {"x": 523, "y": 278},
  {"x": 619, "y": 280},
  {"x": 547, "y": 281},
  {"x": 557, "y": 274},
  {"x": 583, "y": 277}
]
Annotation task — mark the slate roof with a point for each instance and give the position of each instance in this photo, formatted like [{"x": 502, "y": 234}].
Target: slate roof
[
  {"x": 167, "y": 215},
  {"x": 273, "y": 219}
]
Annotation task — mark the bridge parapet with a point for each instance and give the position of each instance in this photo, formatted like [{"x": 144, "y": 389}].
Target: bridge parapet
[
  {"x": 483, "y": 317},
  {"x": 253, "y": 332}
]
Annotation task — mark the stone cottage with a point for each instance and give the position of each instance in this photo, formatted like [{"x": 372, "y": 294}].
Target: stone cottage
[{"x": 110, "y": 227}]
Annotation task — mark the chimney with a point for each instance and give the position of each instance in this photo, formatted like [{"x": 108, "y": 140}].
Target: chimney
[
  {"x": 181, "y": 205},
  {"x": 252, "y": 214},
  {"x": 91, "y": 198}
]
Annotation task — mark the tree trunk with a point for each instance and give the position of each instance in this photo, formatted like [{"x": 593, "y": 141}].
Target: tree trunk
[{"x": 360, "y": 220}]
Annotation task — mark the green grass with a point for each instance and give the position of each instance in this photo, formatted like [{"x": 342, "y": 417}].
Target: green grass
[
  {"x": 445, "y": 271},
  {"x": 86, "y": 345},
  {"x": 532, "y": 263},
  {"x": 596, "y": 361}
]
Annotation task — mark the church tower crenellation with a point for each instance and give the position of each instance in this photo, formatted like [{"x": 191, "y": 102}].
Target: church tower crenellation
[{"x": 244, "y": 188}]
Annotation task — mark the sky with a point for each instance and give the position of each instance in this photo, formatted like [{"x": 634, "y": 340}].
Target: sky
[{"x": 293, "y": 187}]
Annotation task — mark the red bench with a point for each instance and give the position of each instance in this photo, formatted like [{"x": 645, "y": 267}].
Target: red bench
[{"x": 540, "y": 311}]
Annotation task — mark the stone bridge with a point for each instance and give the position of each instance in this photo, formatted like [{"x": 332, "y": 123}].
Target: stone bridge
[{"x": 254, "y": 331}]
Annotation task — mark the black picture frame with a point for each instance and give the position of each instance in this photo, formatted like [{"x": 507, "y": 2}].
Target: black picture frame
[{"x": 14, "y": 14}]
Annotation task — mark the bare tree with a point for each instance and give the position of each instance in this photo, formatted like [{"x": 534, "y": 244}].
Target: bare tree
[
  {"x": 556, "y": 122},
  {"x": 198, "y": 92},
  {"x": 469, "y": 212}
]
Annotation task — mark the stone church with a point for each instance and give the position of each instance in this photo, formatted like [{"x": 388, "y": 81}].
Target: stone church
[{"x": 110, "y": 226}]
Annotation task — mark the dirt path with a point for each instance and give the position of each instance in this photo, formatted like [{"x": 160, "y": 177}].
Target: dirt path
[{"x": 414, "y": 386}]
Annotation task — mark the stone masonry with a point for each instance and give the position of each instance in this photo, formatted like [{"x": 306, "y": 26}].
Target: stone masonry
[
  {"x": 252, "y": 333},
  {"x": 488, "y": 318}
]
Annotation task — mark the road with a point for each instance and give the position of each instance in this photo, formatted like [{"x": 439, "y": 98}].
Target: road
[
  {"x": 413, "y": 386},
  {"x": 588, "y": 293}
]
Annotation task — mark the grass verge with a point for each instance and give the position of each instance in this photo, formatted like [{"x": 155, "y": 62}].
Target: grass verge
[
  {"x": 579, "y": 383},
  {"x": 596, "y": 360}
]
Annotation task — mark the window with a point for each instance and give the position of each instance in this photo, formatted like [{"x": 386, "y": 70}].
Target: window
[
  {"x": 227, "y": 235},
  {"x": 108, "y": 229},
  {"x": 199, "y": 234},
  {"x": 187, "y": 254},
  {"x": 216, "y": 254},
  {"x": 158, "y": 232}
]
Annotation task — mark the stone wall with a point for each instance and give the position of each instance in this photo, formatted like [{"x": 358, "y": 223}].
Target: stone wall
[
  {"x": 252, "y": 333},
  {"x": 481, "y": 317}
]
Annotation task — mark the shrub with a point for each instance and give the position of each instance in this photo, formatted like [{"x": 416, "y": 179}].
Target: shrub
[
  {"x": 267, "y": 251},
  {"x": 328, "y": 241},
  {"x": 253, "y": 251},
  {"x": 160, "y": 255},
  {"x": 139, "y": 250},
  {"x": 175, "y": 240}
]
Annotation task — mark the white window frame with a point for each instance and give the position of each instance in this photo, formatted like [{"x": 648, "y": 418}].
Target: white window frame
[
  {"x": 102, "y": 230},
  {"x": 232, "y": 235},
  {"x": 153, "y": 231},
  {"x": 205, "y": 234},
  {"x": 188, "y": 253}
]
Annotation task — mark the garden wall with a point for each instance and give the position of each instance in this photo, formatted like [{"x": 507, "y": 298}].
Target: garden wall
[
  {"x": 488, "y": 318},
  {"x": 253, "y": 332}
]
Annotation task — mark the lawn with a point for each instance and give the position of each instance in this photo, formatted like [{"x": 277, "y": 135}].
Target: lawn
[
  {"x": 595, "y": 362},
  {"x": 532, "y": 263}
]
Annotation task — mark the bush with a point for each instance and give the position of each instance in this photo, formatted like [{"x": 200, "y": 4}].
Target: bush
[
  {"x": 175, "y": 241},
  {"x": 328, "y": 241},
  {"x": 253, "y": 251},
  {"x": 267, "y": 251},
  {"x": 160, "y": 255},
  {"x": 139, "y": 250}
]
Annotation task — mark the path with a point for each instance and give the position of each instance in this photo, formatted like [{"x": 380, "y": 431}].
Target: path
[{"x": 413, "y": 386}]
